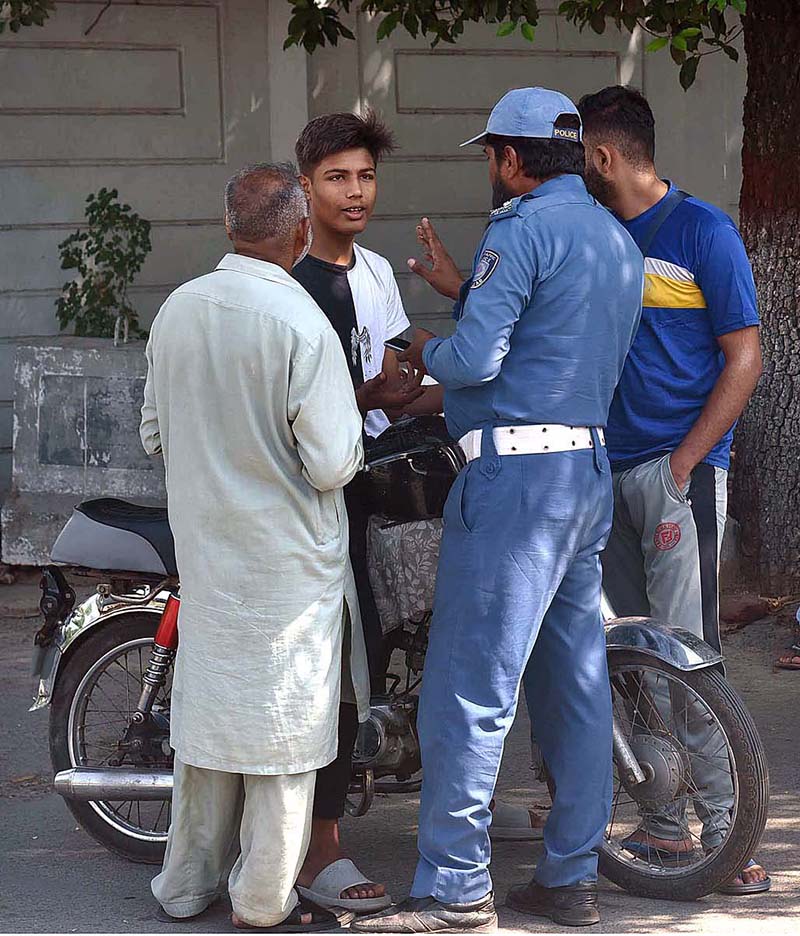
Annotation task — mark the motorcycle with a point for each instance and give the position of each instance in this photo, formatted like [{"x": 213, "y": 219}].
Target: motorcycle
[{"x": 684, "y": 742}]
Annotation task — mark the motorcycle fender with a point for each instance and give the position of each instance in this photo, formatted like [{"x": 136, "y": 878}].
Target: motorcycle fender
[
  {"x": 45, "y": 667},
  {"x": 95, "y": 611},
  {"x": 672, "y": 645}
]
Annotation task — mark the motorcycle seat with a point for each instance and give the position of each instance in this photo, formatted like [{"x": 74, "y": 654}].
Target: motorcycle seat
[{"x": 112, "y": 534}]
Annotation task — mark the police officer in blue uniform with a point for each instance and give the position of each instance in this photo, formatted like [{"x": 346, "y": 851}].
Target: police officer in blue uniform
[{"x": 544, "y": 325}]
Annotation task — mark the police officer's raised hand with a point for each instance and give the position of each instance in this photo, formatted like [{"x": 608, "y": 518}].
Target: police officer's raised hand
[
  {"x": 441, "y": 271},
  {"x": 381, "y": 393}
]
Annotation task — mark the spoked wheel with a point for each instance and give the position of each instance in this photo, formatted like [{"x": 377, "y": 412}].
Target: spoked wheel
[
  {"x": 95, "y": 696},
  {"x": 706, "y": 782}
]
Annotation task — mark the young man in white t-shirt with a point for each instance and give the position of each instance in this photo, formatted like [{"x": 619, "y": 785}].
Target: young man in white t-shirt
[{"x": 338, "y": 156}]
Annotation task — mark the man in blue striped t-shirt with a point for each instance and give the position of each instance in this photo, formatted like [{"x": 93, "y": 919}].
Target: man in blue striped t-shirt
[{"x": 694, "y": 362}]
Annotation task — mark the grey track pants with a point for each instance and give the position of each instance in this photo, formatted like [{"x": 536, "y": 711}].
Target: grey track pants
[
  {"x": 662, "y": 561},
  {"x": 249, "y": 833}
]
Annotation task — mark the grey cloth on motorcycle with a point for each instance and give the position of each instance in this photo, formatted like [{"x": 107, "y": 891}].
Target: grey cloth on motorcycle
[
  {"x": 249, "y": 396},
  {"x": 402, "y": 560},
  {"x": 244, "y": 834}
]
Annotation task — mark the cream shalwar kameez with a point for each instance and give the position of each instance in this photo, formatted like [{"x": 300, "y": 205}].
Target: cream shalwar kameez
[{"x": 249, "y": 398}]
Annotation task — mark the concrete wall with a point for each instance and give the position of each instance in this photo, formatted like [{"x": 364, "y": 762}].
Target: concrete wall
[
  {"x": 76, "y": 419},
  {"x": 165, "y": 99}
]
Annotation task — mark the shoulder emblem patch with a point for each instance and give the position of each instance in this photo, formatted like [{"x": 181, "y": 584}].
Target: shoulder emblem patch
[{"x": 484, "y": 269}]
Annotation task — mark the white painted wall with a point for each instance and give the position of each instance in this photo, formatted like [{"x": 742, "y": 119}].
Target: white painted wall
[
  {"x": 166, "y": 98},
  {"x": 436, "y": 98}
]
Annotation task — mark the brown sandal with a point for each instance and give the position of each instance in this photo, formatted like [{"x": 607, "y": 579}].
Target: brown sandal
[{"x": 792, "y": 653}]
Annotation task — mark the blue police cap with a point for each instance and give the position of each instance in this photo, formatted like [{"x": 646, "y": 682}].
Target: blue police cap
[{"x": 530, "y": 112}]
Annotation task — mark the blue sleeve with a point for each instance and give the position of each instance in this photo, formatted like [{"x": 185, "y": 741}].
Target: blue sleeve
[
  {"x": 725, "y": 277},
  {"x": 500, "y": 289}
]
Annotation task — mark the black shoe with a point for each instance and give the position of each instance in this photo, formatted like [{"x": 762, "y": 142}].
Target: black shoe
[
  {"x": 575, "y": 905},
  {"x": 428, "y": 915}
]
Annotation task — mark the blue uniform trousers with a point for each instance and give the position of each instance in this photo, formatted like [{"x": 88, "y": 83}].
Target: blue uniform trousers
[{"x": 518, "y": 592}]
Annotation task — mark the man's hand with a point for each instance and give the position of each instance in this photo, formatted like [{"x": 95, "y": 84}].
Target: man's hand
[
  {"x": 681, "y": 465},
  {"x": 442, "y": 273},
  {"x": 379, "y": 393},
  {"x": 413, "y": 353},
  {"x": 731, "y": 392},
  {"x": 430, "y": 403}
]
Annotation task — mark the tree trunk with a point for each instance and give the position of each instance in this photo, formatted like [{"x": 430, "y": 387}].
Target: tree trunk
[{"x": 766, "y": 484}]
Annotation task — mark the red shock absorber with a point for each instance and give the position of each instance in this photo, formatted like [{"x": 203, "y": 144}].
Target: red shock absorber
[
  {"x": 167, "y": 633},
  {"x": 165, "y": 643}
]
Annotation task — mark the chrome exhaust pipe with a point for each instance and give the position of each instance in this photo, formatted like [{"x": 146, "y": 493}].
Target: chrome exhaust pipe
[{"x": 104, "y": 783}]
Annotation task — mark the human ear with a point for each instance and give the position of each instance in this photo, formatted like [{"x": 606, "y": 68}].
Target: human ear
[
  {"x": 603, "y": 160},
  {"x": 510, "y": 165},
  {"x": 302, "y": 240}
]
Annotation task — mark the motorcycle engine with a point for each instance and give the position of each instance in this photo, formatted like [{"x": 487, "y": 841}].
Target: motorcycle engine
[{"x": 387, "y": 742}]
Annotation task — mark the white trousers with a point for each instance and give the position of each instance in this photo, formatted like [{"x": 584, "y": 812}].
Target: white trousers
[{"x": 249, "y": 832}]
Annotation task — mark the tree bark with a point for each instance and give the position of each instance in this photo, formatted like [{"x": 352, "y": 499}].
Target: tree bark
[{"x": 766, "y": 483}]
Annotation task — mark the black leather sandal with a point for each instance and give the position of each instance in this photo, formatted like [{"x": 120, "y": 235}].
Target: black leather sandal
[
  {"x": 740, "y": 890},
  {"x": 321, "y": 920}
]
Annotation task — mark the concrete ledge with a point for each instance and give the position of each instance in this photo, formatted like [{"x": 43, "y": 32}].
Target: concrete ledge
[{"x": 77, "y": 406}]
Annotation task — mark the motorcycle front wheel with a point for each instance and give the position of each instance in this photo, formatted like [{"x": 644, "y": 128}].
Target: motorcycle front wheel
[
  {"x": 706, "y": 781},
  {"x": 95, "y": 696}
]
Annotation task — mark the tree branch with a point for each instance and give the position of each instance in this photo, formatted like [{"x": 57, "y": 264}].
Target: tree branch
[{"x": 99, "y": 16}]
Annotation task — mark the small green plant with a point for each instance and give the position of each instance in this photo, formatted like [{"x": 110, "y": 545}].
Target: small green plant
[{"x": 107, "y": 254}]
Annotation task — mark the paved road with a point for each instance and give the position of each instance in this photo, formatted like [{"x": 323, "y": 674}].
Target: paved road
[{"x": 54, "y": 878}]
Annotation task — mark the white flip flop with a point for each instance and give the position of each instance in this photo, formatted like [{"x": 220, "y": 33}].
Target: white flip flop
[
  {"x": 340, "y": 876},
  {"x": 512, "y": 823}
]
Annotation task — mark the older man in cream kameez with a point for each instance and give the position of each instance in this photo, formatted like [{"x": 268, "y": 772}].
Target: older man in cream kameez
[{"x": 248, "y": 396}]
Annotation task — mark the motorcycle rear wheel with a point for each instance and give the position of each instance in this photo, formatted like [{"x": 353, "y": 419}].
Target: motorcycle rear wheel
[
  {"x": 119, "y": 827},
  {"x": 746, "y": 765}
]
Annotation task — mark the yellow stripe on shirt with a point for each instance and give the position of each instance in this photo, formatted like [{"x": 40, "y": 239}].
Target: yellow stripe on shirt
[{"x": 663, "y": 292}]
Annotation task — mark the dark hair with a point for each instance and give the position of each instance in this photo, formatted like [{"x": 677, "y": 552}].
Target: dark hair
[
  {"x": 541, "y": 158},
  {"x": 333, "y": 133},
  {"x": 623, "y": 117},
  {"x": 264, "y": 200}
]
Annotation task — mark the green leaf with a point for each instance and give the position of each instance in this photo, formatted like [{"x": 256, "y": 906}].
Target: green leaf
[
  {"x": 598, "y": 23},
  {"x": 388, "y": 25},
  {"x": 679, "y": 43},
  {"x": 411, "y": 24},
  {"x": 657, "y": 44},
  {"x": 688, "y": 72},
  {"x": 528, "y": 32},
  {"x": 692, "y": 31},
  {"x": 740, "y": 6},
  {"x": 733, "y": 54},
  {"x": 505, "y": 29},
  {"x": 678, "y": 56}
]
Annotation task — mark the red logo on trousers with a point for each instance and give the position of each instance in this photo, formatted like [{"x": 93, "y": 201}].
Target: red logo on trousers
[{"x": 667, "y": 536}]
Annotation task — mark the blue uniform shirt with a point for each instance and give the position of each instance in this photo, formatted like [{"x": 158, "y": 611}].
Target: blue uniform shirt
[
  {"x": 698, "y": 286},
  {"x": 547, "y": 317}
]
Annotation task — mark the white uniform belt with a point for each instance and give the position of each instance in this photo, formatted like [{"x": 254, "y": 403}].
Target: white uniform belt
[{"x": 532, "y": 440}]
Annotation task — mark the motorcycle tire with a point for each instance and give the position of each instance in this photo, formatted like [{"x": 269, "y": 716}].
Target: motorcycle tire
[
  {"x": 752, "y": 776},
  {"x": 97, "y": 643}
]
